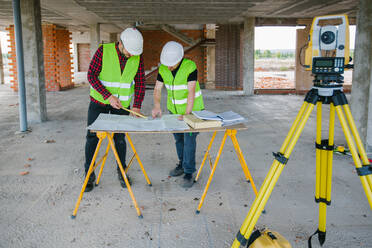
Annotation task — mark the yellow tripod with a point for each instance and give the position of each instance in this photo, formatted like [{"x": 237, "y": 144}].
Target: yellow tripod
[{"x": 338, "y": 103}]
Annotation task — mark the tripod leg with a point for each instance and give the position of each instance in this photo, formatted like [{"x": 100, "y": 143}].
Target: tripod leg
[
  {"x": 355, "y": 133},
  {"x": 358, "y": 141},
  {"x": 294, "y": 126},
  {"x": 324, "y": 151},
  {"x": 281, "y": 159},
  {"x": 317, "y": 151},
  {"x": 331, "y": 135},
  {"x": 205, "y": 156},
  {"x": 321, "y": 176},
  {"x": 365, "y": 179}
]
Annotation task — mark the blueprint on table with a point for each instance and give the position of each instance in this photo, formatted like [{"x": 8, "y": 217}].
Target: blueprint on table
[{"x": 108, "y": 122}]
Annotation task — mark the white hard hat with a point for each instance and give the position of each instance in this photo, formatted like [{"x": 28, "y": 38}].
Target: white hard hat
[
  {"x": 132, "y": 40},
  {"x": 171, "y": 54}
]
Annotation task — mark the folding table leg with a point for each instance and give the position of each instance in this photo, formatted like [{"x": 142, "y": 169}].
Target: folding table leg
[
  {"x": 205, "y": 156},
  {"x": 138, "y": 159},
  {"x": 212, "y": 172},
  {"x": 90, "y": 170},
  {"x": 248, "y": 175},
  {"x": 103, "y": 163},
  {"x": 124, "y": 176}
]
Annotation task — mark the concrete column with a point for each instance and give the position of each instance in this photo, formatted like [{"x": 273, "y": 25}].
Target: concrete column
[
  {"x": 211, "y": 68},
  {"x": 113, "y": 37},
  {"x": 1, "y": 66},
  {"x": 211, "y": 58},
  {"x": 33, "y": 60},
  {"x": 361, "y": 94},
  {"x": 95, "y": 37},
  {"x": 248, "y": 55},
  {"x": 303, "y": 78}
]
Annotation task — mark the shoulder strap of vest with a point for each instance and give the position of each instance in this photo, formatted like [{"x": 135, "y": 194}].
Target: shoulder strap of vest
[
  {"x": 162, "y": 69},
  {"x": 107, "y": 45},
  {"x": 188, "y": 65}
]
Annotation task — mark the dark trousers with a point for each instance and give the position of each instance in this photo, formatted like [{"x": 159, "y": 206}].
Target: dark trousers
[
  {"x": 186, "y": 146},
  {"x": 91, "y": 138}
]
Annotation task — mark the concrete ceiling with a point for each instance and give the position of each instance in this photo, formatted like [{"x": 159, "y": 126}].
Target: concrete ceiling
[{"x": 114, "y": 15}]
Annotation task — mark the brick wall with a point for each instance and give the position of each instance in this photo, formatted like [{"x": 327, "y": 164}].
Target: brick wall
[
  {"x": 50, "y": 54},
  {"x": 57, "y": 58},
  {"x": 12, "y": 59},
  {"x": 205, "y": 62},
  {"x": 154, "y": 40},
  {"x": 228, "y": 57},
  {"x": 64, "y": 59}
]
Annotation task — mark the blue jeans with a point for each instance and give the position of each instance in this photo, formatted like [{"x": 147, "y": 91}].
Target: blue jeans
[{"x": 186, "y": 146}]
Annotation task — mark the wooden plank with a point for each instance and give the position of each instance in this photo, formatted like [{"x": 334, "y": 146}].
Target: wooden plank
[{"x": 196, "y": 123}]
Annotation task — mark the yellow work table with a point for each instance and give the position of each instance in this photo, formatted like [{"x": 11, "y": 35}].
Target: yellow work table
[{"x": 103, "y": 134}]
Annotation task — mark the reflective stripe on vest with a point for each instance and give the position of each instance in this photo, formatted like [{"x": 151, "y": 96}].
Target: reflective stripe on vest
[
  {"x": 121, "y": 98},
  {"x": 118, "y": 84},
  {"x": 184, "y": 101},
  {"x": 177, "y": 88}
]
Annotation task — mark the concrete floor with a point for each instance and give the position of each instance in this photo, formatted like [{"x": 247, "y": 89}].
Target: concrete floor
[{"x": 35, "y": 209}]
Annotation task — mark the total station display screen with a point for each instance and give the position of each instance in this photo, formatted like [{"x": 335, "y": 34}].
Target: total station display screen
[{"x": 324, "y": 63}]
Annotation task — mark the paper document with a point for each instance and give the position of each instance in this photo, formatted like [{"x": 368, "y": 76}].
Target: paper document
[
  {"x": 206, "y": 115},
  {"x": 108, "y": 122},
  {"x": 228, "y": 118}
]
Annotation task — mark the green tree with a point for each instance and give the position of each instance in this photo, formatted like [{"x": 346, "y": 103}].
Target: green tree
[
  {"x": 267, "y": 54},
  {"x": 257, "y": 54}
]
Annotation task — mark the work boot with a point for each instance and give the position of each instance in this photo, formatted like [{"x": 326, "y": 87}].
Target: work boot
[
  {"x": 187, "y": 181},
  {"x": 178, "y": 171},
  {"x": 90, "y": 184},
  {"x": 121, "y": 179}
]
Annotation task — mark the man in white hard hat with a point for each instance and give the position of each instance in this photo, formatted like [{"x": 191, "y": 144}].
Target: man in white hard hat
[
  {"x": 180, "y": 77},
  {"x": 116, "y": 73}
]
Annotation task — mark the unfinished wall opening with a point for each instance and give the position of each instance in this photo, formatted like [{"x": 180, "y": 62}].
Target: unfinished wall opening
[
  {"x": 83, "y": 53},
  {"x": 275, "y": 49},
  {"x": 277, "y": 59}
]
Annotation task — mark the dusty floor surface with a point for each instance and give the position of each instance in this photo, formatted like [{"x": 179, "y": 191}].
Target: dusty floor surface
[{"x": 35, "y": 209}]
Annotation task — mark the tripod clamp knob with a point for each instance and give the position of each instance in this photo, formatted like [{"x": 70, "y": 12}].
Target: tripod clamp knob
[
  {"x": 364, "y": 170},
  {"x": 280, "y": 157}
]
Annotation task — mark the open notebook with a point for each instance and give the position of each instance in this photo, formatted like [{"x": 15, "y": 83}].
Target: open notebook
[{"x": 227, "y": 118}]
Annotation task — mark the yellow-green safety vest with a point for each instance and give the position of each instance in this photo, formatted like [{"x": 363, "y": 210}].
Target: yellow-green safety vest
[
  {"x": 118, "y": 84},
  {"x": 177, "y": 88}
]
